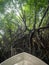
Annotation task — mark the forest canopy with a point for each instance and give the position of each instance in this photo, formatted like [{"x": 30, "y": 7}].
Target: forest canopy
[{"x": 18, "y": 19}]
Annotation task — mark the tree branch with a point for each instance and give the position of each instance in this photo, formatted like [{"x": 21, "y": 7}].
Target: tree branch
[{"x": 44, "y": 16}]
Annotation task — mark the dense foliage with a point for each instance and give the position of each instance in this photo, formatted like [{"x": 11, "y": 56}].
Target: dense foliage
[{"x": 20, "y": 28}]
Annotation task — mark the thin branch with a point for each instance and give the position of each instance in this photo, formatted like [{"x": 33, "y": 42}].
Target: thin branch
[
  {"x": 47, "y": 27},
  {"x": 44, "y": 16},
  {"x": 35, "y": 17},
  {"x": 34, "y": 21}
]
